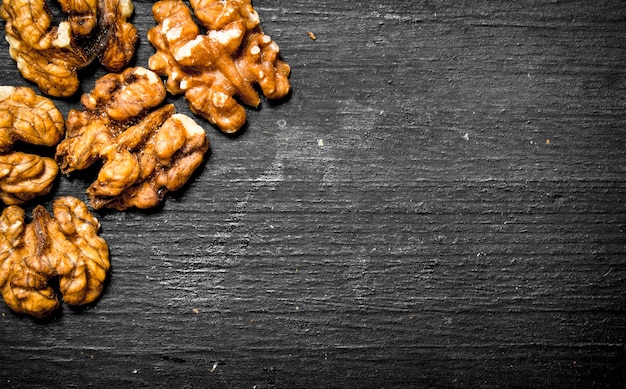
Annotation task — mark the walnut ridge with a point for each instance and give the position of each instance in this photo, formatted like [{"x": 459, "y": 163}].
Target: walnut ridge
[
  {"x": 147, "y": 150},
  {"x": 65, "y": 246},
  {"x": 216, "y": 68},
  {"x": 50, "y": 55},
  {"x": 29, "y": 118}
]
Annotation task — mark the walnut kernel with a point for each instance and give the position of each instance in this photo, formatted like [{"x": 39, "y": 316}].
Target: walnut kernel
[
  {"x": 212, "y": 69},
  {"x": 66, "y": 247},
  {"x": 50, "y": 55},
  {"x": 147, "y": 151},
  {"x": 29, "y": 118}
]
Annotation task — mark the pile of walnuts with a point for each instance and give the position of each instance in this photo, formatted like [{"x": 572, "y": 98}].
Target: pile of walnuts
[{"x": 145, "y": 148}]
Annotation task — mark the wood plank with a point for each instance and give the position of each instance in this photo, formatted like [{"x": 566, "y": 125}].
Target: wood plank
[{"x": 439, "y": 203}]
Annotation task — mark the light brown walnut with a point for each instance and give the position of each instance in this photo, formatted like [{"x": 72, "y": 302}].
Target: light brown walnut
[
  {"x": 147, "y": 150},
  {"x": 217, "y": 69},
  {"x": 28, "y": 118},
  {"x": 51, "y": 55},
  {"x": 65, "y": 247},
  {"x": 25, "y": 176}
]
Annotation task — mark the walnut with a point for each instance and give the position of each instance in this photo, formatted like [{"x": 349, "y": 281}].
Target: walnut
[
  {"x": 64, "y": 247},
  {"x": 50, "y": 55},
  {"x": 33, "y": 119},
  {"x": 25, "y": 176},
  {"x": 212, "y": 69},
  {"x": 147, "y": 151},
  {"x": 29, "y": 118}
]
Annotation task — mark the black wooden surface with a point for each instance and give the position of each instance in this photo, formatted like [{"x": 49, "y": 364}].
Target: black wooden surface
[{"x": 439, "y": 203}]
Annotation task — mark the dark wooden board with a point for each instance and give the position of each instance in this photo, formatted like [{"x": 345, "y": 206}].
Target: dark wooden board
[{"x": 439, "y": 203}]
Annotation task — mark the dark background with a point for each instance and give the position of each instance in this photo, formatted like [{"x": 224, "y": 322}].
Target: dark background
[{"x": 438, "y": 203}]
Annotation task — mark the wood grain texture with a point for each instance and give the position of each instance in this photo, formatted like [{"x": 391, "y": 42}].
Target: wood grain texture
[{"x": 439, "y": 203}]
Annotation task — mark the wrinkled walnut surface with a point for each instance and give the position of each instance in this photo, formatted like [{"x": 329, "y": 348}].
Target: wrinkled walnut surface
[
  {"x": 29, "y": 118},
  {"x": 147, "y": 150},
  {"x": 215, "y": 68},
  {"x": 50, "y": 55},
  {"x": 25, "y": 176},
  {"x": 65, "y": 246}
]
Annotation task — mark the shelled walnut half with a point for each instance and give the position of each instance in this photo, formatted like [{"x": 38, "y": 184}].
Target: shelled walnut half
[
  {"x": 226, "y": 62},
  {"x": 28, "y": 118},
  {"x": 50, "y": 55},
  {"x": 147, "y": 150},
  {"x": 64, "y": 247}
]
